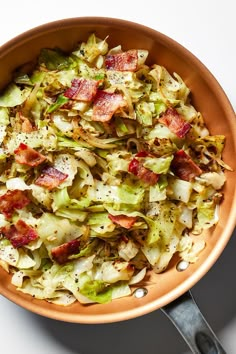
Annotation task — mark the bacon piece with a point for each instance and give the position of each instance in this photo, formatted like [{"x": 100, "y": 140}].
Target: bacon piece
[
  {"x": 175, "y": 122},
  {"x": 134, "y": 166},
  {"x": 184, "y": 167},
  {"x": 25, "y": 155},
  {"x": 68, "y": 105},
  {"x": 126, "y": 61},
  {"x": 142, "y": 153},
  {"x": 19, "y": 234},
  {"x": 124, "y": 238},
  {"x": 26, "y": 126},
  {"x": 61, "y": 253},
  {"x": 123, "y": 220},
  {"x": 82, "y": 89},
  {"x": 106, "y": 104},
  {"x": 50, "y": 178},
  {"x": 12, "y": 200},
  {"x": 142, "y": 172}
]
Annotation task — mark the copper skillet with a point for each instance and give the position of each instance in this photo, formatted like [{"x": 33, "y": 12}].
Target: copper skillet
[{"x": 167, "y": 291}]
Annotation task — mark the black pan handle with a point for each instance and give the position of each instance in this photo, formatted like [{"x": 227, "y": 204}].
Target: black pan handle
[{"x": 188, "y": 319}]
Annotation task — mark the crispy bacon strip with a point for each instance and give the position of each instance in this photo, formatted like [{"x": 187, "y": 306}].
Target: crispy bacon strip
[
  {"x": 123, "y": 220},
  {"x": 82, "y": 89},
  {"x": 61, "y": 253},
  {"x": 175, "y": 122},
  {"x": 12, "y": 200},
  {"x": 106, "y": 104},
  {"x": 184, "y": 167},
  {"x": 126, "y": 61},
  {"x": 19, "y": 234},
  {"x": 142, "y": 172},
  {"x": 25, "y": 155},
  {"x": 50, "y": 178}
]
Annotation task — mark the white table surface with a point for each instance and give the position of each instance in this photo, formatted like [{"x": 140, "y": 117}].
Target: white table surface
[{"x": 207, "y": 28}]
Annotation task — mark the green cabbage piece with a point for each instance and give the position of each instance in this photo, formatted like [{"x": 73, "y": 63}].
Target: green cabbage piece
[
  {"x": 124, "y": 193},
  {"x": 158, "y": 164},
  {"x": 144, "y": 111},
  {"x": 64, "y": 77},
  {"x": 8, "y": 253},
  {"x": 180, "y": 189},
  {"x": 96, "y": 290},
  {"x": 121, "y": 127},
  {"x": 14, "y": 96},
  {"x": 161, "y": 146},
  {"x": 24, "y": 261},
  {"x": 166, "y": 220},
  {"x": 4, "y": 116},
  {"x": 54, "y": 231},
  {"x": 37, "y": 76},
  {"x": 61, "y": 100},
  {"x": 92, "y": 48},
  {"x": 61, "y": 199},
  {"x": 117, "y": 162},
  {"x": 190, "y": 248},
  {"x": 160, "y": 107},
  {"x": 100, "y": 292},
  {"x": 46, "y": 285},
  {"x": 100, "y": 224},
  {"x": 65, "y": 142},
  {"x": 54, "y": 59},
  {"x": 206, "y": 215},
  {"x": 22, "y": 79},
  {"x": 156, "y": 193},
  {"x": 126, "y": 78},
  {"x": 44, "y": 137},
  {"x": 213, "y": 143},
  {"x": 152, "y": 252},
  {"x": 72, "y": 214}
]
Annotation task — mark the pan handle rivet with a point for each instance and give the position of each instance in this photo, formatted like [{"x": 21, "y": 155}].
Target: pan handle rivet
[
  {"x": 182, "y": 265},
  {"x": 140, "y": 292}
]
